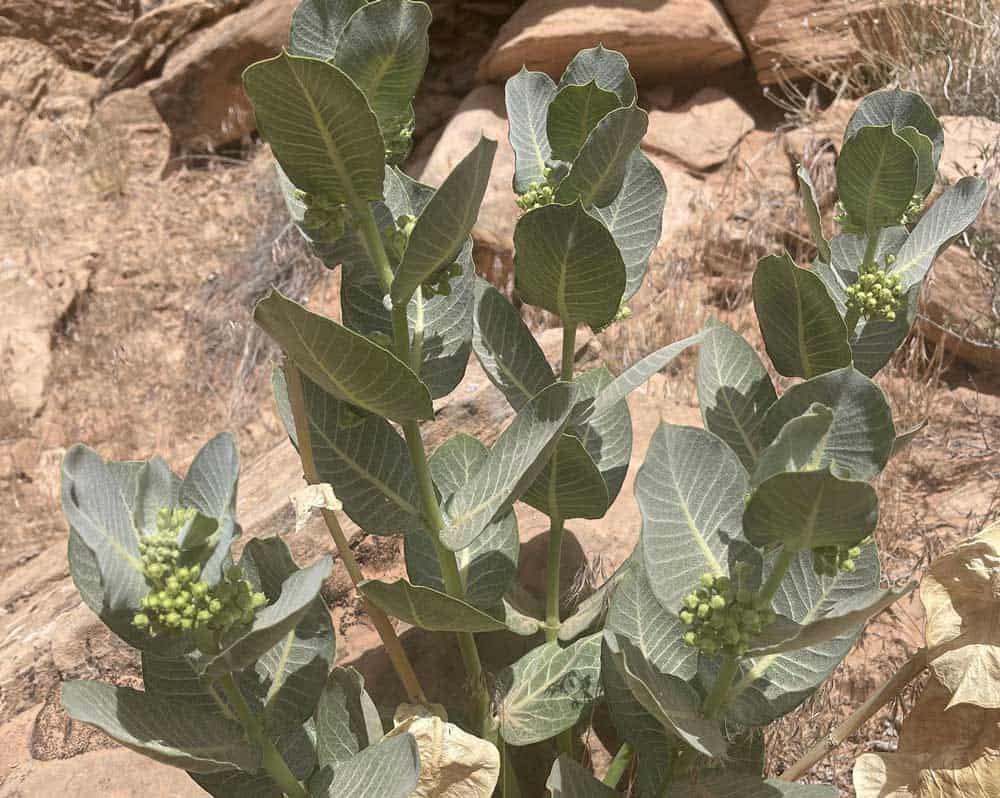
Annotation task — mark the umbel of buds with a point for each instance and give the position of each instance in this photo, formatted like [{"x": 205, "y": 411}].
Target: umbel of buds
[
  {"x": 722, "y": 618},
  {"x": 831, "y": 560},
  {"x": 539, "y": 193},
  {"x": 876, "y": 294},
  {"x": 178, "y": 601}
]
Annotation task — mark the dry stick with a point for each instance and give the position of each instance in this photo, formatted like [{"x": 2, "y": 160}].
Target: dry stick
[
  {"x": 910, "y": 670},
  {"x": 381, "y": 622}
]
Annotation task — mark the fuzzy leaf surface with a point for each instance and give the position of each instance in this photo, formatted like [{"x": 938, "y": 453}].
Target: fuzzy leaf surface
[
  {"x": 899, "y": 109},
  {"x": 570, "y": 484},
  {"x": 812, "y": 212},
  {"x": 317, "y": 25},
  {"x": 528, "y": 96},
  {"x": 388, "y": 769},
  {"x": 296, "y": 748},
  {"x": 574, "y": 113},
  {"x": 607, "y": 68},
  {"x": 571, "y": 780},
  {"x": 427, "y": 608},
  {"x": 798, "y": 447},
  {"x": 606, "y": 435},
  {"x": 347, "y": 721},
  {"x": 876, "y": 177}
]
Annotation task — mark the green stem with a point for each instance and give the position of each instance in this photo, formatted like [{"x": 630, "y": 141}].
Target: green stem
[
  {"x": 773, "y": 582},
  {"x": 272, "y": 761},
  {"x": 720, "y": 690},
  {"x": 372, "y": 240},
  {"x": 619, "y": 765},
  {"x": 553, "y": 567},
  {"x": 870, "y": 249}
]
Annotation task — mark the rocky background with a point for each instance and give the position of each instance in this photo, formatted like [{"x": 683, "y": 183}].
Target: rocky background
[{"x": 139, "y": 222}]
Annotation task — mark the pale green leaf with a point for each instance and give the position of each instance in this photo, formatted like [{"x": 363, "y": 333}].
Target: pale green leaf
[
  {"x": 317, "y": 26},
  {"x": 923, "y": 147},
  {"x": 506, "y": 349},
  {"x": 347, "y": 720},
  {"x": 571, "y": 780},
  {"x": 427, "y": 608},
  {"x": 598, "y": 172},
  {"x": 798, "y": 447},
  {"x": 574, "y": 113},
  {"x": 342, "y": 362},
  {"x": 876, "y": 177},
  {"x": 296, "y": 748},
  {"x": 156, "y": 487},
  {"x": 803, "y": 332},
  {"x": 528, "y": 95},
  {"x": 319, "y": 126},
  {"x": 690, "y": 492},
  {"x": 570, "y": 485},
  {"x": 177, "y": 678},
  {"x": 607, "y": 435},
  {"x": 513, "y": 463},
  {"x": 444, "y": 224},
  {"x": 607, "y": 68},
  {"x": 160, "y": 728},
  {"x": 388, "y": 769},
  {"x": 734, "y": 390},
  {"x": 548, "y": 690},
  {"x": 813, "y": 215},
  {"x": 899, "y": 109},
  {"x": 862, "y": 433},
  {"x": 635, "y": 217},
  {"x": 567, "y": 262}
]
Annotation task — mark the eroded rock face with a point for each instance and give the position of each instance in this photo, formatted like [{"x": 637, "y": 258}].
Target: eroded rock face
[{"x": 661, "y": 38}]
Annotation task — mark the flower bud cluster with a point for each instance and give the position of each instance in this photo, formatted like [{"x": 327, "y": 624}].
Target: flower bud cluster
[
  {"x": 877, "y": 294},
  {"x": 439, "y": 283},
  {"x": 324, "y": 220},
  {"x": 720, "y": 618},
  {"x": 831, "y": 560},
  {"x": 539, "y": 193},
  {"x": 178, "y": 601},
  {"x": 398, "y": 143}
]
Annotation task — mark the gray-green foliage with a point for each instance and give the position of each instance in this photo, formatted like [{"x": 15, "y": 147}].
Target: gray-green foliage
[{"x": 753, "y": 570}]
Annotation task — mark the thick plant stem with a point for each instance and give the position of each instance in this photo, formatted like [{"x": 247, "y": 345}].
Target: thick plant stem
[
  {"x": 553, "y": 567},
  {"x": 888, "y": 691},
  {"x": 272, "y": 762},
  {"x": 720, "y": 690},
  {"x": 433, "y": 520},
  {"x": 619, "y": 765},
  {"x": 386, "y": 631},
  {"x": 773, "y": 582}
]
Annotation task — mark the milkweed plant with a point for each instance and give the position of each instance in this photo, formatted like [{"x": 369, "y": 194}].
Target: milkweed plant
[{"x": 754, "y": 569}]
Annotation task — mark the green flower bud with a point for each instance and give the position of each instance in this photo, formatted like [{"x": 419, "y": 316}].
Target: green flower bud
[
  {"x": 847, "y": 566},
  {"x": 692, "y": 601},
  {"x": 140, "y": 621},
  {"x": 707, "y": 580},
  {"x": 199, "y": 589},
  {"x": 687, "y": 617},
  {"x": 690, "y": 638},
  {"x": 204, "y": 616},
  {"x": 172, "y": 619},
  {"x": 703, "y": 610},
  {"x": 854, "y": 552},
  {"x": 717, "y": 602},
  {"x": 215, "y": 606},
  {"x": 186, "y": 624},
  {"x": 258, "y": 600}
]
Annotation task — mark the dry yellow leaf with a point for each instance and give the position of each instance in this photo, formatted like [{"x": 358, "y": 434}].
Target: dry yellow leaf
[
  {"x": 961, "y": 598},
  {"x": 453, "y": 763}
]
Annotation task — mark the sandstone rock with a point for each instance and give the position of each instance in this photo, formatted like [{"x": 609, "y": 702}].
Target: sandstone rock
[
  {"x": 702, "y": 132},
  {"x": 823, "y": 134},
  {"x": 793, "y": 38},
  {"x": 971, "y": 147},
  {"x": 958, "y": 309},
  {"x": 661, "y": 38},
  {"x": 79, "y": 33},
  {"x": 129, "y": 118},
  {"x": 482, "y": 112},
  {"x": 44, "y": 105},
  {"x": 200, "y": 95}
]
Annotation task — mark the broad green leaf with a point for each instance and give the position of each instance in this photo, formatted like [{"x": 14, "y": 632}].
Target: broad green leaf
[
  {"x": 513, "y": 463},
  {"x": 528, "y": 95},
  {"x": 156, "y": 487},
  {"x": 635, "y": 217},
  {"x": 367, "y": 464},
  {"x": 771, "y": 686},
  {"x": 607, "y": 68},
  {"x": 162, "y": 729},
  {"x": 873, "y": 341},
  {"x": 813, "y": 215},
  {"x": 923, "y": 147},
  {"x": 658, "y": 634},
  {"x": 322, "y": 229},
  {"x": 272, "y": 623},
  {"x": 876, "y": 177},
  {"x": 506, "y": 349},
  {"x": 640, "y": 371},
  {"x": 899, "y": 109},
  {"x": 672, "y": 701},
  {"x": 96, "y": 509},
  {"x": 342, "y": 362},
  {"x": 178, "y": 679},
  {"x": 347, "y": 720},
  {"x": 798, "y": 447},
  {"x": 810, "y": 509},
  {"x": 607, "y": 436},
  {"x": 427, "y": 608},
  {"x": 652, "y": 743},
  {"x": 571, "y": 780},
  {"x": 954, "y": 211},
  {"x": 444, "y": 224},
  {"x": 744, "y": 784},
  {"x": 570, "y": 485},
  {"x": 296, "y": 748},
  {"x": 317, "y": 26},
  {"x": 860, "y": 439},
  {"x": 488, "y": 564},
  {"x": 567, "y": 262},
  {"x": 517, "y": 621},
  {"x": 384, "y": 50},
  {"x": 574, "y": 113},
  {"x": 548, "y": 690},
  {"x": 846, "y": 615},
  {"x": 598, "y": 172},
  {"x": 388, "y": 769},
  {"x": 289, "y": 677},
  {"x": 690, "y": 492},
  {"x": 803, "y": 332},
  {"x": 319, "y": 126},
  {"x": 734, "y": 390}
]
